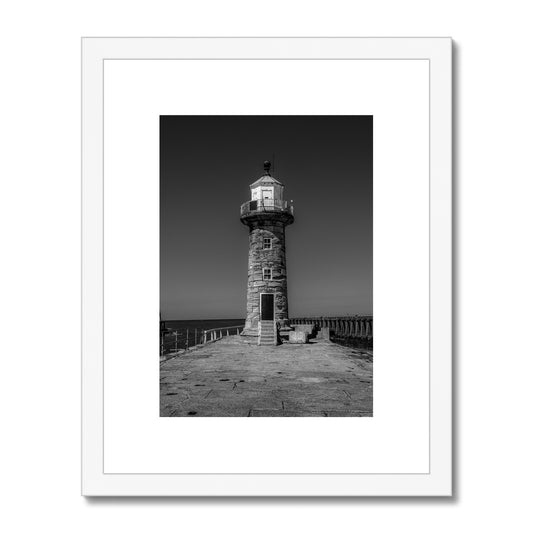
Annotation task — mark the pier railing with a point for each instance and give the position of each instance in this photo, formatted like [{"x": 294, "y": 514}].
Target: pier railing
[
  {"x": 176, "y": 341},
  {"x": 354, "y": 330},
  {"x": 215, "y": 334},
  {"x": 357, "y": 329}
]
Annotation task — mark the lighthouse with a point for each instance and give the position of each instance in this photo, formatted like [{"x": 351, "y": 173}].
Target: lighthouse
[{"x": 266, "y": 214}]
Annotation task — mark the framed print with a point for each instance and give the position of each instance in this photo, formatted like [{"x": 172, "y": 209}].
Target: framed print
[{"x": 261, "y": 215}]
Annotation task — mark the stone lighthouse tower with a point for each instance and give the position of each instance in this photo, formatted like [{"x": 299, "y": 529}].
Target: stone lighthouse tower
[{"x": 266, "y": 214}]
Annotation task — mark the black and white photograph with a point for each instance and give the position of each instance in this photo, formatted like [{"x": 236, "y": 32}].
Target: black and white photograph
[{"x": 266, "y": 282}]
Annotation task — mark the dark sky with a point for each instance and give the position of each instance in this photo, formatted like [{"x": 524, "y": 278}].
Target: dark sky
[{"x": 207, "y": 164}]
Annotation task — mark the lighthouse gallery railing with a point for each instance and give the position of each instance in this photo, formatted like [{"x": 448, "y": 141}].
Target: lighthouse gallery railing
[{"x": 254, "y": 206}]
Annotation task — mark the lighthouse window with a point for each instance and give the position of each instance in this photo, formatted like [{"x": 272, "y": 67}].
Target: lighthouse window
[
  {"x": 267, "y": 243},
  {"x": 267, "y": 274}
]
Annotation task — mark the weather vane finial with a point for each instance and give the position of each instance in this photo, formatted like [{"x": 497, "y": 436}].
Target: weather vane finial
[{"x": 267, "y": 166}]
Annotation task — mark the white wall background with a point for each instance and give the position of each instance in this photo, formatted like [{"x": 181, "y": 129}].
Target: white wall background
[{"x": 39, "y": 278}]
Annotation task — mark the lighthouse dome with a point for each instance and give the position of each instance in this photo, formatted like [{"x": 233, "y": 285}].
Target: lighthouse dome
[{"x": 266, "y": 179}]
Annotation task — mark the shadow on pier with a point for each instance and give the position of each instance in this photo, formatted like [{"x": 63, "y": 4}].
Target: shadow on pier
[{"x": 231, "y": 378}]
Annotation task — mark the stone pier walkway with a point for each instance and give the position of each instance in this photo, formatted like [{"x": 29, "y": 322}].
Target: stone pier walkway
[{"x": 230, "y": 378}]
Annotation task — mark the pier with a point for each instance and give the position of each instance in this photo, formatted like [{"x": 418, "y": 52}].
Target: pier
[{"x": 232, "y": 378}]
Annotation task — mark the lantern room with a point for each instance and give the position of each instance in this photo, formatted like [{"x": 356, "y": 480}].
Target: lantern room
[{"x": 267, "y": 189}]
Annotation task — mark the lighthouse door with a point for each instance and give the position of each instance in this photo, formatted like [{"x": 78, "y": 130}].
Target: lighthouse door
[{"x": 267, "y": 306}]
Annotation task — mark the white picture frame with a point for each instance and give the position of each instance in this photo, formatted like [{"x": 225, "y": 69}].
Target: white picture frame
[{"x": 434, "y": 56}]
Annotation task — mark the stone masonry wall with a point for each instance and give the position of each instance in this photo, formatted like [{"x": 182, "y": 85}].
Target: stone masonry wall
[{"x": 258, "y": 258}]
